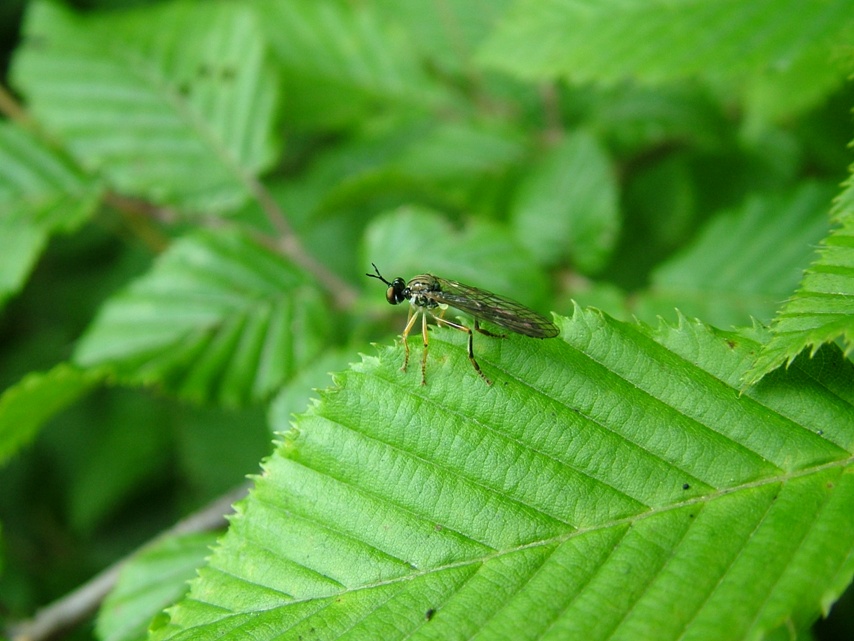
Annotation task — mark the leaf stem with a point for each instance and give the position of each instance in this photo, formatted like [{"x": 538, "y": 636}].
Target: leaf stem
[{"x": 81, "y": 603}]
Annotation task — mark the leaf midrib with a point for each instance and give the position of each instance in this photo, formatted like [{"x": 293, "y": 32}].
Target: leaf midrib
[
  {"x": 564, "y": 537},
  {"x": 149, "y": 76}
]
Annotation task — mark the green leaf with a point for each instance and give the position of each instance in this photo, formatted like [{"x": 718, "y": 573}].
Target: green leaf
[
  {"x": 774, "y": 40},
  {"x": 567, "y": 206},
  {"x": 415, "y": 240},
  {"x": 822, "y": 310},
  {"x": 448, "y": 33},
  {"x": 631, "y": 118},
  {"x": 451, "y": 150},
  {"x": 802, "y": 82},
  {"x": 40, "y": 187},
  {"x": 339, "y": 58},
  {"x": 21, "y": 244},
  {"x": 40, "y": 193},
  {"x": 607, "y": 486},
  {"x": 28, "y": 405},
  {"x": 744, "y": 261},
  {"x": 150, "y": 581},
  {"x": 180, "y": 114},
  {"x": 449, "y": 163},
  {"x": 218, "y": 318},
  {"x": 297, "y": 396}
]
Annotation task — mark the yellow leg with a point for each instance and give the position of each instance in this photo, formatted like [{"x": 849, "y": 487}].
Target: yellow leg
[
  {"x": 463, "y": 328},
  {"x": 424, "y": 353},
  {"x": 409, "y": 323},
  {"x": 486, "y": 332}
]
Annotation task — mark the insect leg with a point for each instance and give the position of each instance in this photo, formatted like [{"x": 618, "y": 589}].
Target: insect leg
[
  {"x": 463, "y": 328},
  {"x": 424, "y": 353},
  {"x": 486, "y": 332},
  {"x": 409, "y": 323}
]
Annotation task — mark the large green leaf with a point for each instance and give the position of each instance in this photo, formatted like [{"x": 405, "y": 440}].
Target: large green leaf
[
  {"x": 40, "y": 193},
  {"x": 218, "y": 318},
  {"x": 781, "y": 43},
  {"x": 744, "y": 262},
  {"x": 822, "y": 310},
  {"x": 611, "y": 484},
  {"x": 339, "y": 58},
  {"x": 173, "y": 104}
]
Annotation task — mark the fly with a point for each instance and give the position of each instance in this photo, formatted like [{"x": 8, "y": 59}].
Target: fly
[{"x": 427, "y": 293}]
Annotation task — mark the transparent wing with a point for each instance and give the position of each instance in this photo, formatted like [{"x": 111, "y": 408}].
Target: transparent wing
[{"x": 496, "y": 309}]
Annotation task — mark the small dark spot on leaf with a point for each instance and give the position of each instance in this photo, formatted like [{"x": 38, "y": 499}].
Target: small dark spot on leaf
[
  {"x": 731, "y": 343},
  {"x": 820, "y": 432},
  {"x": 830, "y": 486},
  {"x": 438, "y": 527},
  {"x": 429, "y": 614},
  {"x": 686, "y": 486},
  {"x": 690, "y": 516}
]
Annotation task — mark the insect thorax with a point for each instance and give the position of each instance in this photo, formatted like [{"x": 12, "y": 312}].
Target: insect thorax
[{"x": 420, "y": 290}]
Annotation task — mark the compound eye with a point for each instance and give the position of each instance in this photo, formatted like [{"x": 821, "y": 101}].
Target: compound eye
[
  {"x": 391, "y": 296},
  {"x": 397, "y": 291}
]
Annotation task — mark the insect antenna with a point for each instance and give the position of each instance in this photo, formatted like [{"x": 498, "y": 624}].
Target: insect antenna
[{"x": 378, "y": 276}]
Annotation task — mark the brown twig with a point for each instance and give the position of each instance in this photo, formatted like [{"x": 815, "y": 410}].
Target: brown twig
[
  {"x": 10, "y": 107},
  {"x": 551, "y": 113},
  {"x": 287, "y": 242},
  {"x": 84, "y": 601}
]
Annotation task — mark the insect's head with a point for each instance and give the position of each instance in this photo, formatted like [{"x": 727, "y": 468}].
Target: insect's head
[{"x": 397, "y": 291}]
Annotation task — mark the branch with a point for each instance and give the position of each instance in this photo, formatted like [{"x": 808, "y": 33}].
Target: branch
[
  {"x": 554, "y": 130},
  {"x": 287, "y": 242},
  {"x": 84, "y": 601},
  {"x": 10, "y": 107},
  {"x": 343, "y": 295}
]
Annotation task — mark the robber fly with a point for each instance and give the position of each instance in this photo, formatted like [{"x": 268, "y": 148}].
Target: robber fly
[{"x": 426, "y": 293}]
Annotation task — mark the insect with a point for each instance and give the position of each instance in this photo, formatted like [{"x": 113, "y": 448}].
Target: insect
[{"x": 427, "y": 293}]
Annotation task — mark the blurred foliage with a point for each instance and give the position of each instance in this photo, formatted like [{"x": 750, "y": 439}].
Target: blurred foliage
[{"x": 191, "y": 193}]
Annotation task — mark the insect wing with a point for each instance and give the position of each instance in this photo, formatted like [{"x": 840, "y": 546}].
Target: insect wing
[{"x": 493, "y": 308}]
